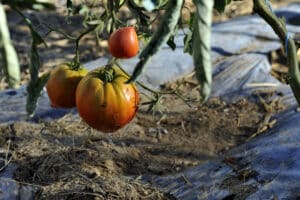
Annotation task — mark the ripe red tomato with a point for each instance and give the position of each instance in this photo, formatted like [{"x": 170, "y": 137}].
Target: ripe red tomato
[
  {"x": 123, "y": 43},
  {"x": 104, "y": 101},
  {"x": 62, "y": 83}
]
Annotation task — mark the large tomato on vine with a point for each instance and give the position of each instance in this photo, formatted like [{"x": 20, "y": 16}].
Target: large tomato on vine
[
  {"x": 105, "y": 101},
  {"x": 62, "y": 83},
  {"x": 123, "y": 43}
]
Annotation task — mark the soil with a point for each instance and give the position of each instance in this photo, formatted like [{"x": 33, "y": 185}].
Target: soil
[{"x": 66, "y": 159}]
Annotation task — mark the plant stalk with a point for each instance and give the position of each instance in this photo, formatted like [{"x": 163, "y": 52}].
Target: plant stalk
[
  {"x": 279, "y": 27},
  {"x": 76, "y": 61}
]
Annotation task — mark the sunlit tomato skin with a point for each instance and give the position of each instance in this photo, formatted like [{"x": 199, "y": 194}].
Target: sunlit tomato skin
[
  {"x": 106, "y": 105},
  {"x": 61, "y": 85},
  {"x": 123, "y": 43}
]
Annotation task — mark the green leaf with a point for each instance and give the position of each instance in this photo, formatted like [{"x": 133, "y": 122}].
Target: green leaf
[
  {"x": 34, "y": 90},
  {"x": 202, "y": 44},
  {"x": 188, "y": 43},
  {"x": 36, "y": 83},
  {"x": 138, "y": 13},
  {"x": 69, "y": 7},
  {"x": 8, "y": 54},
  {"x": 187, "y": 40},
  {"x": 171, "y": 43},
  {"x": 221, "y": 4},
  {"x": 160, "y": 37}
]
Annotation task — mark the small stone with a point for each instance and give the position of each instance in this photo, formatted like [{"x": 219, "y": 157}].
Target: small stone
[{"x": 152, "y": 130}]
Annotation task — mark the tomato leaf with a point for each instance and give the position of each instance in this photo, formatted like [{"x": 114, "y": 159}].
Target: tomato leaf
[
  {"x": 70, "y": 10},
  {"x": 160, "y": 37},
  {"x": 138, "y": 12},
  {"x": 188, "y": 45},
  {"x": 34, "y": 90},
  {"x": 187, "y": 40},
  {"x": 9, "y": 56},
  {"x": 171, "y": 43},
  {"x": 36, "y": 83},
  {"x": 221, "y": 4},
  {"x": 201, "y": 45},
  {"x": 69, "y": 6}
]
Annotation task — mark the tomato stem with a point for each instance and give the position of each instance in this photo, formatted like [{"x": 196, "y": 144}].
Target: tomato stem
[
  {"x": 112, "y": 61},
  {"x": 76, "y": 61},
  {"x": 155, "y": 101},
  {"x": 279, "y": 27},
  {"x": 156, "y": 93},
  {"x": 55, "y": 29},
  {"x": 107, "y": 74}
]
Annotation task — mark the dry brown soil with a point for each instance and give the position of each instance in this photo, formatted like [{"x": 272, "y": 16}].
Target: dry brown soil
[{"x": 65, "y": 159}]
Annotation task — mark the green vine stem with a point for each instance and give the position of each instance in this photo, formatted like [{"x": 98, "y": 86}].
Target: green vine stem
[
  {"x": 55, "y": 29},
  {"x": 279, "y": 27},
  {"x": 76, "y": 62},
  {"x": 157, "y": 94}
]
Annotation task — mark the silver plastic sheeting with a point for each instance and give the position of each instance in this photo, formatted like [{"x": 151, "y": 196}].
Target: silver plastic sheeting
[
  {"x": 11, "y": 190},
  {"x": 267, "y": 167}
]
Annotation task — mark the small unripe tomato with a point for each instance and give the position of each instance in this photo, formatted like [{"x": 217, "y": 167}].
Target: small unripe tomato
[
  {"x": 62, "y": 83},
  {"x": 105, "y": 101},
  {"x": 123, "y": 43}
]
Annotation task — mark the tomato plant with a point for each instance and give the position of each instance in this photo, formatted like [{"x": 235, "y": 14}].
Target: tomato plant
[
  {"x": 167, "y": 15},
  {"x": 123, "y": 43},
  {"x": 62, "y": 83},
  {"x": 104, "y": 101}
]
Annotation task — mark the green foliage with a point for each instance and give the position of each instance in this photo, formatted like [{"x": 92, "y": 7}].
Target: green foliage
[
  {"x": 188, "y": 44},
  {"x": 34, "y": 89},
  {"x": 36, "y": 83},
  {"x": 69, "y": 7},
  {"x": 160, "y": 37},
  {"x": 9, "y": 59},
  {"x": 145, "y": 12},
  {"x": 137, "y": 10},
  {"x": 279, "y": 27},
  {"x": 221, "y": 4},
  {"x": 171, "y": 42},
  {"x": 201, "y": 45}
]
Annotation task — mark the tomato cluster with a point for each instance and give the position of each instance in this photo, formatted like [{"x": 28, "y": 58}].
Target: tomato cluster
[{"x": 103, "y": 98}]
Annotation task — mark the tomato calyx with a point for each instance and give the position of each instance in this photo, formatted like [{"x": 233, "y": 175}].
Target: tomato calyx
[
  {"x": 107, "y": 74},
  {"x": 75, "y": 65}
]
